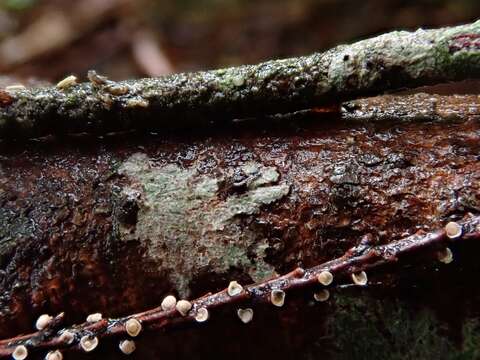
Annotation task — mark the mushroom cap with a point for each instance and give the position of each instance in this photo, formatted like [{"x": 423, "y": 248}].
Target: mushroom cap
[
  {"x": 202, "y": 315},
  {"x": 360, "y": 278},
  {"x": 133, "y": 327},
  {"x": 88, "y": 343},
  {"x": 43, "y": 321},
  {"x": 169, "y": 303},
  {"x": 234, "y": 288},
  {"x": 183, "y": 307},
  {"x": 453, "y": 230},
  {"x": 127, "y": 346},
  {"x": 245, "y": 315},
  {"x": 321, "y": 295},
  {"x": 277, "y": 297},
  {"x": 445, "y": 256},
  {"x": 20, "y": 352},
  {"x": 325, "y": 278},
  {"x": 54, "y": 355}
]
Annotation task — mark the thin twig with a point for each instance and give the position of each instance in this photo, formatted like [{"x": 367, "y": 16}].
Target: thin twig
[
  {"x": 361, "y": 258},
  {"x": 394, "y": 60}
]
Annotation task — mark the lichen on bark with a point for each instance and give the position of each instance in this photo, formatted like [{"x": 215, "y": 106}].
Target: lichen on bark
[{"x": 177, "y": 205}]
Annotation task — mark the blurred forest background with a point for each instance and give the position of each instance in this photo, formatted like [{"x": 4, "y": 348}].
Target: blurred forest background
[{"x": 44, "y": 40}]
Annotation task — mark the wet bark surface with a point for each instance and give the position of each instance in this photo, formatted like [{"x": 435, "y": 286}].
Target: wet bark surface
[{"x": 112, "y": 225}]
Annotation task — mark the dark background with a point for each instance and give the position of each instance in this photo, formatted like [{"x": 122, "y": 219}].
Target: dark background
[{"x": 48, "y": 39}]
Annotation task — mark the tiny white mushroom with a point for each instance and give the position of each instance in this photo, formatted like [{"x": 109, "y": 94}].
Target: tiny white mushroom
[
  {"x": 133, "y": 327},
  {"x": 277, "y": 297},
  {"x": 234, "y": 288},
  {"x": 321, "y": 295},
  {"x": 360, "y": 278},
  {"x": 183, "y": 307},
  {"x": 43, "y": 321},
  {"x": 54, "y": 355},
  {"x": 20, "y": 353},
  {"x": 245, "y": 315},
  {"x": 169, "y": 303},
  {"x": 69, "y": 81},
  {"x": 202, "y": 315},
  {"x": 325, "y": 278},
  {"x": 127, "y": 346},
  {"x": 453, "y": 230},
  {"x": 445, "y": 256},
  {"x": 92, "y": 318},
  {"x": 88, "y": 343},
  {"x": 67, "y": 337}
]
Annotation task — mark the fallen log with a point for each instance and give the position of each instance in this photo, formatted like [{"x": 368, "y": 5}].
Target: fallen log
[{"x": 112, "y": 225}]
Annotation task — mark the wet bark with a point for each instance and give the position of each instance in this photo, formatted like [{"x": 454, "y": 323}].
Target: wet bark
[
  {"x": 115, "y": 225},
  {"x": 390, "y": 61}
]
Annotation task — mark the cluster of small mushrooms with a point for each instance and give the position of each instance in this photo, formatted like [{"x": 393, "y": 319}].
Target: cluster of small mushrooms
[{"x": 133, "y": 326}]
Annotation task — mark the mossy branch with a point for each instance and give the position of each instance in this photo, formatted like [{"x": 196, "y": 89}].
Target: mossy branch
[
  {"x": 352, "y": 265},
  {"x": 394, "y": 60}
]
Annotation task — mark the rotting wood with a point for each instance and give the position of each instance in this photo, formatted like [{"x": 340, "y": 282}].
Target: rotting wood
[
  {"x": 358, "y": 259},
  {"x": 114, "y": 226}
]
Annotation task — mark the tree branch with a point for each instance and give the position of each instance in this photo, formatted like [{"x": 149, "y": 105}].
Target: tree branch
[
  {"x": 391, "y": 61},
  {"x": 363, "y": 257}
]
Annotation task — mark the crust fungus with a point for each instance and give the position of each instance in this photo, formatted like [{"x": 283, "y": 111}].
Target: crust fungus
[
  {"x": 277, "y": 297},
  {"x": 445, "y": 256},
  {"x": 88, "y": 343},
  {"x": 43, "y": 321},
  {"x": 202, "y": 315},
  {"x": 453, "y": 230},
  {"x": 133, "y": 327},
  {"x": 234, "y": 288},
  {"x": 321, "y": 295},
  {"x": 360, "y": 278},
  {"x": 20, "y": 353},
  {"x": 325, "y": 278},
  {"x": 69, "y": 81},
  {"x": 92, "y": 318},
  {"x": 245, "y": 315},
  {"x": 127, "y": 346},
  {"x": 183, "y": 307},
  {"x": 169, "y": 303},
  {"x": 54, "y": 355}
]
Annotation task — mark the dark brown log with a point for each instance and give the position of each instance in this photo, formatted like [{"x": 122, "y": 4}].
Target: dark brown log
[{"x": 114, "y": 225}]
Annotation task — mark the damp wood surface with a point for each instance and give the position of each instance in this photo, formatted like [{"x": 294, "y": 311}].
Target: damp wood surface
[
  {"x": 394, "y": 60},
  {"x": 113, "y": 225}
]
